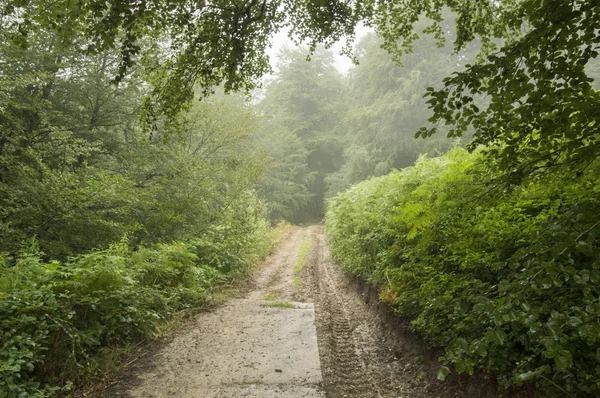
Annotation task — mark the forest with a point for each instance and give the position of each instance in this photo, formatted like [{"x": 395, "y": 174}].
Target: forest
[{"x": 151, "y": 152}]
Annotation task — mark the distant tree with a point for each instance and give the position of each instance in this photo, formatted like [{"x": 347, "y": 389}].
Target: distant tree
[
  {"x": 385, "y": 108},
  {"x": 306, "y": 98},
  {"x": 287, "y": 180}
]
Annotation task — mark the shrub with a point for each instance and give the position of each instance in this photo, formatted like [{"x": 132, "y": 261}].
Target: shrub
[
  {"x": 505, "y": 279},
  {"x": 56, "y": 317}
]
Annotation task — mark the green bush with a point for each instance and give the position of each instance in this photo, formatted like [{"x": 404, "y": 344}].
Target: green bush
[
  {"x": 55, "y": 318},
  {"x": 505, "y": 279}
]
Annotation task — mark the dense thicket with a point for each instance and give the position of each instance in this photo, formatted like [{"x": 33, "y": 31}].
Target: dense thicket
[
  {"x": 107, "y": 231},
  {"x": 77, "y": 172},
  {"x": 505, "y": 280},
  {"x": 60, "y": 321}
]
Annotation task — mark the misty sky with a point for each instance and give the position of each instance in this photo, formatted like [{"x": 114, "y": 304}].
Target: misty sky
[{"x": 342, "y": 63}]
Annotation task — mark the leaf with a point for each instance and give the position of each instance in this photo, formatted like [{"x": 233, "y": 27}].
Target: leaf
[
  {"x": 442, "y": 373},
  {"x": 547, "y": 283},
  {"x": 550, "y": 353},
  {"x": 575, "y": 321},
  {"x": 527, "y": 376},
  {"x": 561, "y": 362},
  {"x": 481, "y": 350},
  {"x": 495, "y": 336}
]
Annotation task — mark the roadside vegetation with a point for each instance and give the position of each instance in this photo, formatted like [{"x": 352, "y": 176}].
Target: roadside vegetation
[
  {"x": 136, "y": 177},
  {"x": 60, "y": 320},
  {"x": 108, "y": 231},
  {"x": 505, "y": 279}
]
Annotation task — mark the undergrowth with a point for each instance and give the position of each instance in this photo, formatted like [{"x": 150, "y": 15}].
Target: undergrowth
[
  {"x": 505, "y": 279},
  {"x": 271, "y": 296},
  {"x": 280, "y": 232},
  {"x": 59, "y": 321}
]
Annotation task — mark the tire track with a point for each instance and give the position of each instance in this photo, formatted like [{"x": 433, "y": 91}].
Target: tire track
[
  {"x": 344, "y": 369},
  {"x": 362, "y": 356}
]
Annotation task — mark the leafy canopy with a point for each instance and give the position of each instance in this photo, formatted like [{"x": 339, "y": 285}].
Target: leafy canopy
[{"x": 543, "y": 110}]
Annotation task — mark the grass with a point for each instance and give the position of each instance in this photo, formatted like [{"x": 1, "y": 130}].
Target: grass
[
  {"x": 302, "y": 258},
  {"x": 271, "y": 296},
  {"x": 281, "y": 304},
  {"x": 280, "y": 232}
]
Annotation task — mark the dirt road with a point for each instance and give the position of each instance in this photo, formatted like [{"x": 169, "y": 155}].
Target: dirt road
[{"x": 265, "y": 345}]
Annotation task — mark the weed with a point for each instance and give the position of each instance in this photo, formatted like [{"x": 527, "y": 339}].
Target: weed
[
  {"x": 281, "y": 304},
  {"x": 302, "y": 258},
  {"x": 271, "y": 296}
]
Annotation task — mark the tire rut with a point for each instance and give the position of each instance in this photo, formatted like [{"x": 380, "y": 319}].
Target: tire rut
[
  {"x": 344, "y": 368},
  {"x": 362, "y": 356}
]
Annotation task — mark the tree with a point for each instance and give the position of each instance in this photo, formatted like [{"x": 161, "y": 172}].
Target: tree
[
  {"x": 307, "y": 98},
  {"x": 77, "y": 171},
  {"x": 47, "y": 187},
  {"x": 543, "y": 110},
  {"x": 385, "y": 107},
  {"x": 287, "y": 180},
  {"x": 187, "y": 180}
]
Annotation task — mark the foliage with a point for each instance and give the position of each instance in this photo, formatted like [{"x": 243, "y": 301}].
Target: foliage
[
  {"x": 305, "y": 99},
  {"x": 326, "y": 131},
  {"x": 385, "y": 107},
  {"x": 505, "y": 280},
  {"x": 56, "y": 317},
  {"x": 286, "y": 182},
  {"x": 51, "y": 130},
  {"x": 77, "y": 176},
  {"x": 543, "y": 108},
  {"x": 186, "y": 181},
  {"x": 210, "y": 43}
]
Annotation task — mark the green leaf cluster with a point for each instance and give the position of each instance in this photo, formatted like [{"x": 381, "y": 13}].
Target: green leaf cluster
[
  {"x": 57, "y": 318},
  {"x": 77, "y": 176},
  {"x": 506, "y": 280}
]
